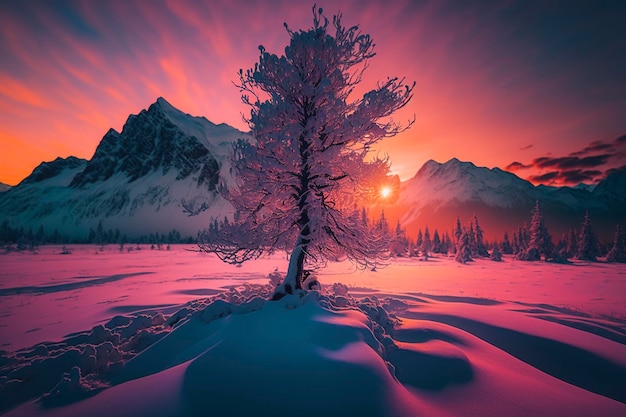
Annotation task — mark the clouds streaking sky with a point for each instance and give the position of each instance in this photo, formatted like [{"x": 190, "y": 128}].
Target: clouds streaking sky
[{"x": 499, "y": 83}]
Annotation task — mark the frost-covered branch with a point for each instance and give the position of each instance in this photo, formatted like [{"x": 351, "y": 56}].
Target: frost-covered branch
[{"x": 297, "y": 186}]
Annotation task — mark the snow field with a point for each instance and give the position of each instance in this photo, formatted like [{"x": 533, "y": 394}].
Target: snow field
[{"x": 416, "y": 338}]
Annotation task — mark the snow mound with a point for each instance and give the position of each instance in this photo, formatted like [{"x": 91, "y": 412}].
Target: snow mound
[
  {"x": 306, "y": 354},
  {"x": 323, "y": 353}
]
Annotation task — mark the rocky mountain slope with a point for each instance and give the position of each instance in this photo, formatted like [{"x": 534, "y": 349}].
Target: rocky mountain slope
[
  {"x": 135, "y": 181},
  {"x": 138, "y": 178},
  {"x": 440, "y": 192}
]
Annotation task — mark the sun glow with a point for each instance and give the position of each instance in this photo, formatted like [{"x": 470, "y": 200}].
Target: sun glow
[{"x": 385, "y": 192}]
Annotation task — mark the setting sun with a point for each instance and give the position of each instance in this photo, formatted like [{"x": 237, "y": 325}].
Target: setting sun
[{"x": 385, "y": 192}]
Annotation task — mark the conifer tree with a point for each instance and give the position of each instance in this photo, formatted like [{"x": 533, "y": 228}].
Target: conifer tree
[
  {"x": 436, "y": 242},
  {"x": 618, "y": 251},
  {"x": 446, "y": 244},
  {"x": 427, "y": 244},
  {"x": 506, "y": 247},
  {"x": 295, "y": 185},
  {"x": 382, "y": 225},
  {"x": 457, "y": 231},
  {"x": 463, "y": 250},
  {"x": 496, "y": 255},
  {"x": 419, "y": 241},
  {"x": 516, "y": 244},
  {"x": 540, "y": 240},
  {"x": 479, "y": 245},
  {"x": 399, "y": 243},
  {"x": 364, "y": 220},
  {"x": 471, "y": 236},
  {"x": 588, "y": 245},
  {"x": 571, "y": 242}
]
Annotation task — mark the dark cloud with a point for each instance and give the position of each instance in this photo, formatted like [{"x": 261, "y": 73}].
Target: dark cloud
[
  {"x": 571, "y": 162},
  {"x": 569, "y": 177},
  {"x": 596, "y": 146},
  {"x": 526, "y": 147},
  {"x": 600, "y": 146},
  {"x": 514, "y": 166},
  {"x": 591, "y": 164},
  {"x": 544, "y": 178}
]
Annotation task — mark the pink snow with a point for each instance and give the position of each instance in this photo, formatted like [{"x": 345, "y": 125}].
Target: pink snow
[{"x": 416, "y": 338}]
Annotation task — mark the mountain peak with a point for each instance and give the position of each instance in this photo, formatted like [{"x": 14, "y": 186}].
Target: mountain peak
[
  {"x": 51, "y": 169},
  {"x": 163, "y": 107},
  {"x": 160, "y": 138}
]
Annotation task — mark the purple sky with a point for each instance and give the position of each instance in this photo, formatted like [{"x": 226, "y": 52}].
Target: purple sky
[{"x": 536, "y": 87}]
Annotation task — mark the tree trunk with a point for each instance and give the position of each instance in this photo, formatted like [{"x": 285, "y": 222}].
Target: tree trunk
[{"x": 293, "y": 279}]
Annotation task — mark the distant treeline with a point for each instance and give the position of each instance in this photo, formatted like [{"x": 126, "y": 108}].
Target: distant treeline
[
  {"x": 529, "y": 242},
  {"x": 24, "y": 239}
]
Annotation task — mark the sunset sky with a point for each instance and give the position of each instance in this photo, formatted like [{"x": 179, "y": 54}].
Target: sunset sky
[{"x": 535, "y": 87}]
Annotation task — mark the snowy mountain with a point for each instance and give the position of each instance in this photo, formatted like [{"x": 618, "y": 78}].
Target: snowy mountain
[
  {"x": 135, "y": 181},
  {"x": 4, "y": 187},
  {"x": 613, "y": 189},
  {"x": 138, "y": 178},
  {"x": 438, "y": 193}
]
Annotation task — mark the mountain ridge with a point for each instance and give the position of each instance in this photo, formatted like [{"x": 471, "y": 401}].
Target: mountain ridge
[
  {"x": 439, "y": 192},
  {"x": 138, "y": 179}
]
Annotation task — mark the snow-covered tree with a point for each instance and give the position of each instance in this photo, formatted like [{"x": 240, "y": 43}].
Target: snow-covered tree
[
  {"x": 297, "y": 182},
  {"x": 364, "y": 219},
  {"x": 571, "y": 243},
  {"x": 399, "y": 243},
  {"x": 496, "y": 255},
  {"x": 446, "y": 244},
  {"x": 427, "y": 243},
  {"x": 436, "y": 242},
  {"x": 588, "y": 245},
  {"x": 540, "y": 239},
  {"x": 382, "y": 225},
  {"x": 476, "y": 238},
  {"x": 515, "y": 244},
  {"x": 463, "y": 250},
  {"x": 506, "y": 247},
  {"x": 457, "y": 231},
  {"x": 618, "y": 251},
  {"x": 419, "y": 242}
]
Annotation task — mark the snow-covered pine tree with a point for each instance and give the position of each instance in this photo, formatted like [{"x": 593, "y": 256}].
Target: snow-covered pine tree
[
  {"x": 463, "y": 250},
  {"x": 427, "y": 244},
  {"x": 479, "y": 245},
  {"x": 457, "y": 231},
  {"x": 399, "y": 245},
  {"x": 496, "y": 255},
  {"x": 471, "y": 236},
  {"x": 382, "y": 225},
  {"x": 446, "y": 244},
  {"x": 540, "y": 239},
  {"x": 571, "y": 242},
  {"x": 364, "y": 219},
  {"x": 588, "y": 245},
  {"x": 618, "y": 251},
  {"x": 419, "y": 242},
  {"x": 296, "y": 183},
  {"x": 515, "y": 245},
  {"x": 506, "y": 247},
  {"x": 523, "y": 238},
  {"x": 436, "y": 242}
]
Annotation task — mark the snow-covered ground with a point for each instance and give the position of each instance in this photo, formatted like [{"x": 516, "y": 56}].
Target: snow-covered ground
[{"x": 166, "y": 333}]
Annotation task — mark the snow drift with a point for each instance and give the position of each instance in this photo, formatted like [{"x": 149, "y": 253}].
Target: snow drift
[{"x": 348, "y": 350}]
